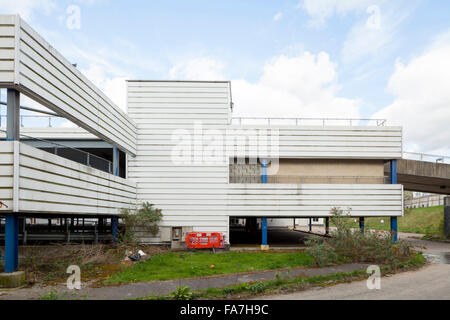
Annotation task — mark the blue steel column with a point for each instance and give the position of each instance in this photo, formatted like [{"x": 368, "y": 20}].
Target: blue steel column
[
  {"x": 327, "y": 226},
  {"x": 115, "y": 220},
  {"x": 361, "y": 224},
  {"x": 310, "y": 224},
  {"x": 12, "y": 220},
  {"x": 264, "y": 245},
  {"x": 11, "y": 243},
  {"x": 393, "y": 180}
]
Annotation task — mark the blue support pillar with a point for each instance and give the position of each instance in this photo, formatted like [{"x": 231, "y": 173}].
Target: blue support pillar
[
  {"x": 11, "y": 243},
  {"x": 115, "y": 229},
  {"x": 361, "y": 224},
  {"x": 394, "y": 229},
  {"x": 264, "y": 245},
  {"x": 393, "y": 180},
  {"x": 327, "y": 226},
  {"x": 310, "y": 224},
  {"x": 12, "y": 220},
  {"x": 116, "y": 161}
]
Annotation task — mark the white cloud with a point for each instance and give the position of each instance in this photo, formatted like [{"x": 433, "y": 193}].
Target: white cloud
[
  {"x": 277, "y": 16},
  {"x": 26, "y": 7},
  {"x": 322, "y": 10},
  {"x": 301, "y": 86},
  {"x": 198, "y": 69},
  {"x": 422, "y": 103},
  {"x": 304, "y": 85},
  {"x": 113, "y": 86}
]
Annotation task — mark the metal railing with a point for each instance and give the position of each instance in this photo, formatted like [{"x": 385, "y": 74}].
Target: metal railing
[
  {"x": 426, "y": 157},
  {"x": 70, "y": 153},
  {"x": 308, "y": 121},
  {"x": 49, "y": 121},
  {"x": 299, "y": 179}
]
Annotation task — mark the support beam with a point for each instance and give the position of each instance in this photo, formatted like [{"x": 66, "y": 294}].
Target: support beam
[
  {"x": 394, "y": 229},
  {"x": 393, "y": 180},
  {"x": 327, "y": 226},
  {"x": 13, "y": 116},
  {"x": 264, "y": 244},
  {"x": 447, "y": 217},
  {"x": 115, "y": 229},
  {"x": 361, "y": 224},
  {"x": 11, "y": 243},
  {"x": 116, "y": 161},
  {"x": 310, "y": 224}
]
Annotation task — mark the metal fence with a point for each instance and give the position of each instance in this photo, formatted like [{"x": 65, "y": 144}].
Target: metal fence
[
  {"x": 70, "y": 153},
  {"x": 426, "y": 157}
]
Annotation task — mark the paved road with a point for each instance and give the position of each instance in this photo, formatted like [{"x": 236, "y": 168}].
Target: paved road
[{"x": 429, "y": 283}]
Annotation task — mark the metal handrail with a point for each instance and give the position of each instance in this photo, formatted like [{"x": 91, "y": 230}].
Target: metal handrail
[
  {"x": 300, "y": 121},
  {"x": 426, "y": 157},
  {"x": 89, "y": 156}
]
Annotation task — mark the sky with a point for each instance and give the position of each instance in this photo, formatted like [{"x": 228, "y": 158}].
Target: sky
[{"x": 383, "y": 59}]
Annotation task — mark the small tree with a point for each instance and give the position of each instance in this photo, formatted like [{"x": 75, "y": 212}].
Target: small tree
[{"x": 145, "y": 218}]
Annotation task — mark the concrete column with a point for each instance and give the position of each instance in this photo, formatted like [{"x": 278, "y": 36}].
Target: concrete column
[
  {"x": 447, "y": 217},
  {"x": 13, "y": 116}
]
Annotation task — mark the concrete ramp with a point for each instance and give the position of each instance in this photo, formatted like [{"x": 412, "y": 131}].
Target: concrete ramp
[{"x": 423, "y": 176}]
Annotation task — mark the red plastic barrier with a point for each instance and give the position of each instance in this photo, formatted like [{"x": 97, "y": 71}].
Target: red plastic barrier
[{"x": 199, "y": 240}]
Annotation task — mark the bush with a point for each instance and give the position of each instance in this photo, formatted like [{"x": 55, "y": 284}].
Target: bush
[
  {"x": 349, "y": 245},
  {"x": 147, "y": 218}
]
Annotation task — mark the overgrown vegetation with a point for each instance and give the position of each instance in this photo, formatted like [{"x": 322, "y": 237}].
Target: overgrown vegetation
[
  {"x": 48, "y": 264},
  {"x": 144, "y": 219},
  {"x": 427, "y": 221},
  {"x": 348, "y": 244},
  {"x": 282, "y": 284},
  {"x": 179, "y": 265}
]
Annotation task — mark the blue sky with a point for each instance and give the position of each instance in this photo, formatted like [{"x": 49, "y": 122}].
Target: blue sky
[{"x": 345, "y": 58}]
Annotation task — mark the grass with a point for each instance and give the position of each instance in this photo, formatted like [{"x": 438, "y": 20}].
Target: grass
[
  {"x": 177, "y": 265},
  {"x": 283, "y": 285},
  {"x": 419, "y": 220}
]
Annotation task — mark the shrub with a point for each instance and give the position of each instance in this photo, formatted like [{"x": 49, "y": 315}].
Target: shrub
[
  {"x": 349, "y": 245},
  {"x": 146, "y": 218}
]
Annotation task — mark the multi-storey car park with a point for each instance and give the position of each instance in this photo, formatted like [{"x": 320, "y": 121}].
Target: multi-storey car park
[{"x": 179, "y": 147}]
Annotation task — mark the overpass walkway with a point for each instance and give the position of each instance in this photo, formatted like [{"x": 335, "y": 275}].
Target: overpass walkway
[{"x": 423, "y": 173}]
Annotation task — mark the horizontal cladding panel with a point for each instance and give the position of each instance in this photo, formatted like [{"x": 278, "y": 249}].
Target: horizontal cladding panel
[
  {"x": 6, "y": 175},
  {"x": 177, "y": 100},
  {"x": 69, "y": 108},
  {"x": 50, "y": 184},
  {"x": 7, "y": 54},
  {"x": 48, "y": 77},
  {"x": 351, "y": 196}
]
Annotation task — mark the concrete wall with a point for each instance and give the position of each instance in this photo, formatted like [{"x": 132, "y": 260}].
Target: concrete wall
[{"x": 425, "y": 201}]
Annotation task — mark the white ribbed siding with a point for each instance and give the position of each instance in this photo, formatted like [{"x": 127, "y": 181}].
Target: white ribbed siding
[
  {"x": 7, "y": 49},
  {"x": 48, "y": 184},
  {"x": 314, "y": 200},
  {"x": 42, "y": 73},
  {"x": 189, "y": 195},
  {"x": 330, "y": 142},
  {"x": 6, "y": 174}
]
